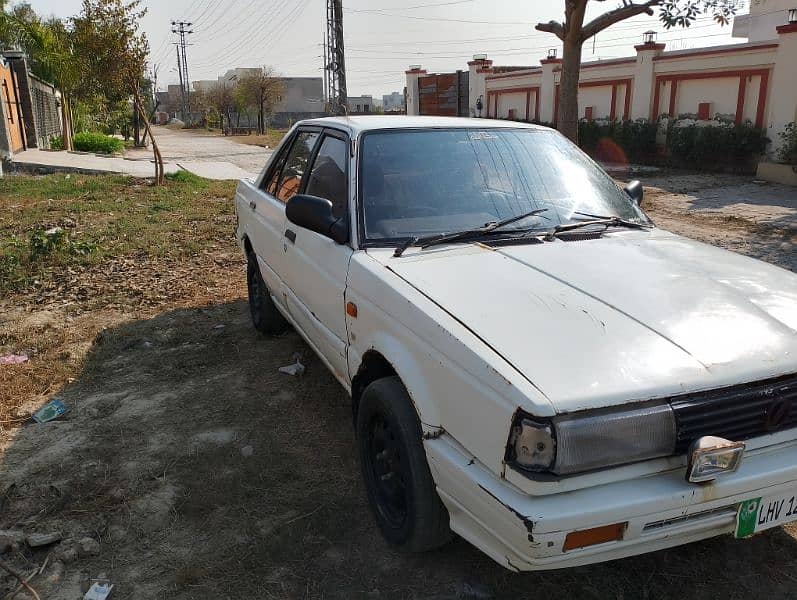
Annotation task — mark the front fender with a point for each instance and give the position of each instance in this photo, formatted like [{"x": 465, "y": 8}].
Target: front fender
[{"x": 456, "y": 382}]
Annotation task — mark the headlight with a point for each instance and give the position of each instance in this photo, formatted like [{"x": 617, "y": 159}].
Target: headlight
[{"x": 592, "y": 440}]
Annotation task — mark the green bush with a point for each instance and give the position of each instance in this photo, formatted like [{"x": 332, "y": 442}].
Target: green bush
[
  {"x": 619, "y": 141},
  {"x": 57, "y": 143},
  {"x": 787, "y": 152},
  {"x": 717, "y": 147},
  {"x": 97, "y": 142}
]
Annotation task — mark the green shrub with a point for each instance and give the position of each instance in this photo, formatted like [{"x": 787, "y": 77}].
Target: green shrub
[
  {"x": 719, "y": 147},
  {"x": 57, "y": 143},
  {"x": 619, "y": 141},
  {"x": 787, "y": 152},
  {"x": 97, "y": 142}
]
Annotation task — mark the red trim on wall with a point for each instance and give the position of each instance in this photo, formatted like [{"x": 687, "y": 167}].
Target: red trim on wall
[
  {"x": 613, "y": 109},
  {"x": 762, "y": 99},
  {"x": 534, "y": 71},
  {"x": 642, "y": 47},
  {"x": 673, "y": 97},
  {"x": 551, "y": 61},
  {"x": 740, "y": 99},
  {"x": 614, "y": 83},
  {"x": 711, "y": 52},
  {"x": 609, "y": 63},
  {"x": 740, "y": 73},
  {"x": 520, "y": 90},
  {"x": 790, "y": 28}
]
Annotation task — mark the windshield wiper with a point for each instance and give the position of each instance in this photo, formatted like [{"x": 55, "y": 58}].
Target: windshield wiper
[
  {"x": 594, "y": 220},
  {"x": 435, "y": 240}
]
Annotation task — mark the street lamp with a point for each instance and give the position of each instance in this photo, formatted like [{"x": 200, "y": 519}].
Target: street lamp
[
  {"x": 552, "y": 53},
  {"x": 792, "y": 15},
  {"x": 649, "y": 37}
]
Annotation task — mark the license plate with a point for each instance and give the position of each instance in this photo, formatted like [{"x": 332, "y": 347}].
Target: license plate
[{"x": 759, "y": 514}]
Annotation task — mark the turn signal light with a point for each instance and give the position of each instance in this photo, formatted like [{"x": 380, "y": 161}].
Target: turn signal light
[{"x": 596, "y": 535}]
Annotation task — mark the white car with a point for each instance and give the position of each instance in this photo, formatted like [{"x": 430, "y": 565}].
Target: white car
[{"x": 533, "y": 365}]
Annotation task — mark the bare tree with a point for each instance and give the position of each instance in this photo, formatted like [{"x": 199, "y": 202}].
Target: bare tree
[
  {"x": 573, "y": 32},
  {"x": 264, "y": 91}
]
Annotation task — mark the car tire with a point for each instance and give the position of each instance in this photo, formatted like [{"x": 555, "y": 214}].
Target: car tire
[
  {"x": 266, "y": 318},
  {"x": 401, "y": 491}
]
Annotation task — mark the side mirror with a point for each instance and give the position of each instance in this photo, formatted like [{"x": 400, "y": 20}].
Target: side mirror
[
  {"x": 315, "y": 214},
  {"x": 635, "y": 191}
]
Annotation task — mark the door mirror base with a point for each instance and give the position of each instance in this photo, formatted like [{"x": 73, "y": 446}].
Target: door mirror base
[
  {"x": 315, "y": 214},
  {"x": 635, "y": 191}
]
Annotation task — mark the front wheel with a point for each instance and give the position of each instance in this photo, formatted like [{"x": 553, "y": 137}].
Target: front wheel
[
  {"x": 266, "y": 318},
  {"x": 400, "y": 488}
]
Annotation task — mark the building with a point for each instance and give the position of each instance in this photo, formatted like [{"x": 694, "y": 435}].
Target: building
[
  {"x": 393, "y": 102},
  {"x": 30, "y": 107},
  {"x": 747, "y": 82},
  {"x": 302, "y": 97},
  {"x": 360, "y": 105}
]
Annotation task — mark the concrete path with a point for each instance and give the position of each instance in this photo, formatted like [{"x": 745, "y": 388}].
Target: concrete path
[
  {"x": 43, "y": 161},
  {"x": 188, "y": 147},
  {"x": 199, "y": 152}
]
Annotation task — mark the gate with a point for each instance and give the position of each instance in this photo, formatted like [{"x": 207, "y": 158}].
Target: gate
[
  {"x": 13, "y": 109},
  {"x": 444, "y": 95}
]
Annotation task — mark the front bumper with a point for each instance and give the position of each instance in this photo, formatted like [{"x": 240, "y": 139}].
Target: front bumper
[{"x": 525, "y": 533}]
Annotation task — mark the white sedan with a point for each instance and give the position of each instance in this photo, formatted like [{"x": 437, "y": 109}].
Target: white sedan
[{"x": 533, "y": 365}]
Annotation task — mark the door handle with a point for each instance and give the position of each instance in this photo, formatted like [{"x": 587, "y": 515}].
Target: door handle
[
  {"x": 291, "y": 235},
  {"x": 252, "y": 204}
]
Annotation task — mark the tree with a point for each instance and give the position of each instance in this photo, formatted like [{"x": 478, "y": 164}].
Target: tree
[
  {"x": 264, "y": 91},
  {"x": 220, "y": 97},
  {"x": 573, "y": 32},
  {"x": 112, "y": 57}
]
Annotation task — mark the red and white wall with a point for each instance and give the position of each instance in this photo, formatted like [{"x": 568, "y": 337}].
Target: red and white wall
[{"x": 752, "y": 82}]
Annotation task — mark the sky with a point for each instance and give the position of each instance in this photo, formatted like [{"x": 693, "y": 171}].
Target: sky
[{"x": 382, "y": 37}]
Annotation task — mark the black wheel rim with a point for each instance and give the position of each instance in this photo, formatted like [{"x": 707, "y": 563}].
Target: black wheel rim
[
  {"x": 388, "y": 471},
  {"x": 255, "y": 294}
]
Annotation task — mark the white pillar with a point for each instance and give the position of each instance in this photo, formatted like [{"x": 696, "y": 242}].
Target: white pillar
[
  {"x": 782, "y": 95},
  {"x": 479, "y": 68},
  {"x": 644, "y": 81},
  {"x": 413, "y": 98},
  {"x": 548, "y": 88}
]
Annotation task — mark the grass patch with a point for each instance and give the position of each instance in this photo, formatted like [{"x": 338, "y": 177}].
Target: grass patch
[
  {"x": 53, "y": 223},
  {"x": 270, "y": 139}
]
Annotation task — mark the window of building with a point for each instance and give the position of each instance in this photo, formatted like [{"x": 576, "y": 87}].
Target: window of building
[
  {"x": 588, "y": 113},
  {"x": 357, "y": 108},
  {"x": 366, "y": 108}
]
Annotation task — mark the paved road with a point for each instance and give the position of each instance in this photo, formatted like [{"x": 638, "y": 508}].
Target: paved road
[{"x": 206, "y": 154}]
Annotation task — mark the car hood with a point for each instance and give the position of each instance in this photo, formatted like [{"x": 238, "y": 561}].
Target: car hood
[{"x": 630, "y": 316}]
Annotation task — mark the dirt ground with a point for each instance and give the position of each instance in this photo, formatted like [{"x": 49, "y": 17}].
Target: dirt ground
[{"x": 190, "y": 468}]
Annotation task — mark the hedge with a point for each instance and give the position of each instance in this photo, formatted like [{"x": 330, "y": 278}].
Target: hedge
[{"x": 97, "y": 142}]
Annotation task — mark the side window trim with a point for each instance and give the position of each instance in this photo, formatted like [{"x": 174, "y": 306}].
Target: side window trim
[
  {"x": 343, "y": 137},
  {"x": 278, "y": 163}
]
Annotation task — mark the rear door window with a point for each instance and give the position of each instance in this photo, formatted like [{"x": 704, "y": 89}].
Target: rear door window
[{"x": 296, "y": 164}]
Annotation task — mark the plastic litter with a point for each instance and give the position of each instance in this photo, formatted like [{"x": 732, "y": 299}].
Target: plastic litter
[
  {"x": 50, "y": 411},
  {"x": 99, "y": 590},
  {"x": 296, "y": 369},
  {"x": 13, "y": 359}
]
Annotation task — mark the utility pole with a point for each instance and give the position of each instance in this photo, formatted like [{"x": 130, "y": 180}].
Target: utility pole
[
  {"x": 335, "y": 57},
  {"x": 326, "y": 73},
  {"x": 182, "y": 87},
  {"x": 183, "y": 28}
]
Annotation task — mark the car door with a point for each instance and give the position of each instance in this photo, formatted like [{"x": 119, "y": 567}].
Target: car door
[
  {"x": 316, "y": 266},
  {"x": 282, "y": 180}
]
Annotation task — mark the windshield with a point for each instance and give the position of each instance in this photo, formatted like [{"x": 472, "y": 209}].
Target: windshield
[{"x": 434, "y": 181}]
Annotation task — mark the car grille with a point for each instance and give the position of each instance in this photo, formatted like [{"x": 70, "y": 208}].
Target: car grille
[{"x": 736, "y": 413}]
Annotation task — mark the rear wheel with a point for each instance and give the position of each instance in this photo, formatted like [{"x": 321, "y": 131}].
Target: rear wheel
[
  {"x": 266, "y": 318},
  {"x": 400, "y": 488}
]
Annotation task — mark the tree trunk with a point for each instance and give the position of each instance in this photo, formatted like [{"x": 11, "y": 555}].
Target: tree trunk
[
  {"x": 568, "y": 88},
  {"x": 66, "y": 123},
  {"x": 159, "y": 168}
]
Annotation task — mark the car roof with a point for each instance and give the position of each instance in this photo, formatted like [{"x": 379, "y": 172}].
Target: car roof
[{"x": 358, "y": 124}]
